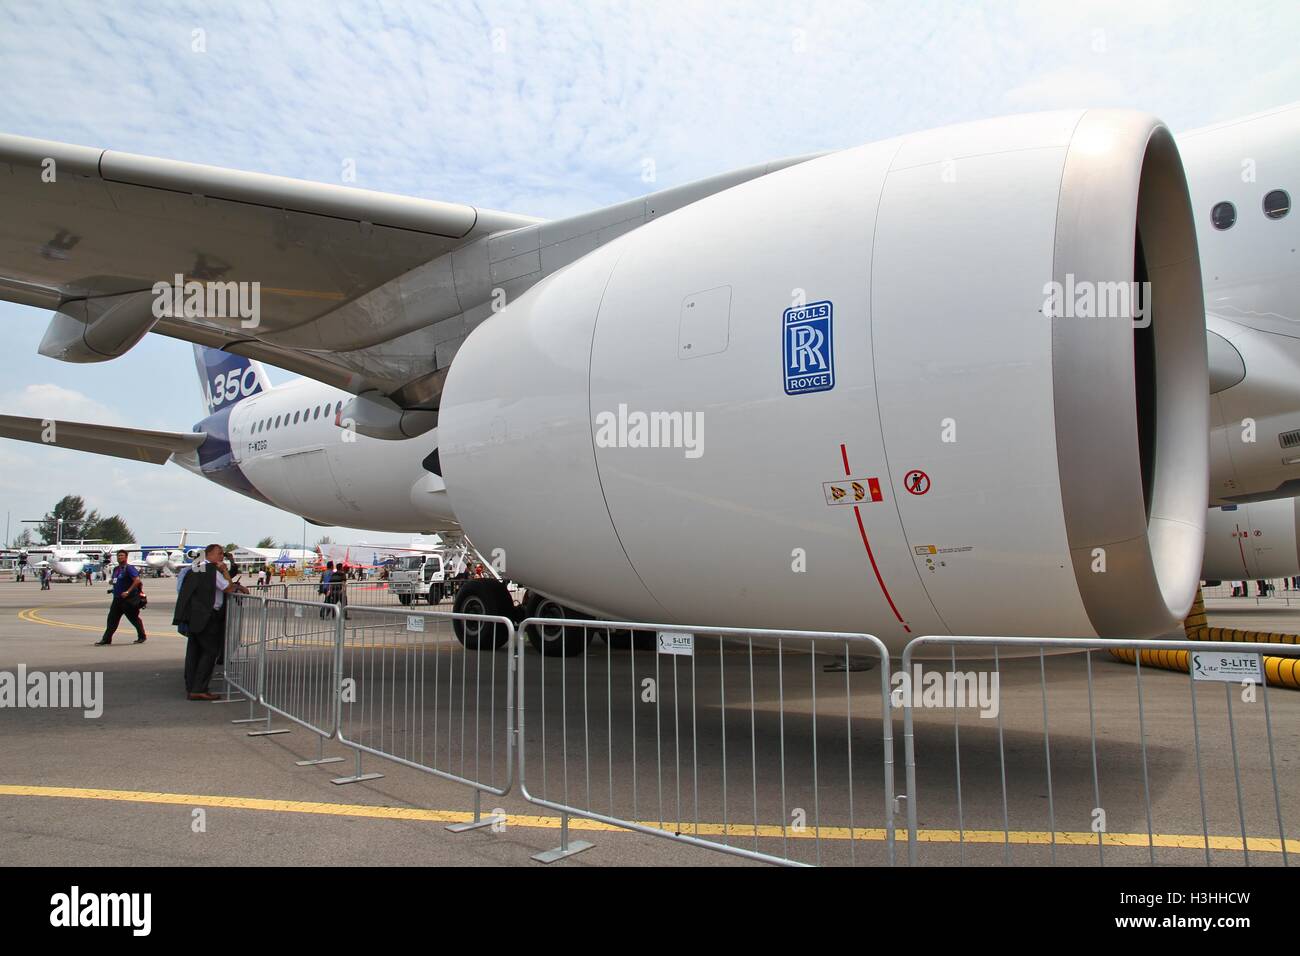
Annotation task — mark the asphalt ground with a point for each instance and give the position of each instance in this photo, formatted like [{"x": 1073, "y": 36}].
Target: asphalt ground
[{"x": 772, "y": 750}]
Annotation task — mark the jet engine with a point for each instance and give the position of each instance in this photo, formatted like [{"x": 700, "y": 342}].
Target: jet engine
[{"x": 953, "y": 382}]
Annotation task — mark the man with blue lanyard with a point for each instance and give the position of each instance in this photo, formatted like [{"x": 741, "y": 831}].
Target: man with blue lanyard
[{"x": 127, "y": 590}]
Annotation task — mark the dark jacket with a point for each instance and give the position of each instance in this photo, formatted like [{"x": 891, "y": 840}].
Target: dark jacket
[{"x": 194, "y": 604}]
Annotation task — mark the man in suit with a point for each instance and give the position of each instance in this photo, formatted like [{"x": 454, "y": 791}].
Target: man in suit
[{"x": 200, "y": 613}]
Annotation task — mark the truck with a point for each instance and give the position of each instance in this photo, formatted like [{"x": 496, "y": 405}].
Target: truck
[{"x": 418, "y": 577}]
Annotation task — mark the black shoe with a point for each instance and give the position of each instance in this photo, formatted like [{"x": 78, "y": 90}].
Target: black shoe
[
  {"x": 101, "y": 644},
  {"x": 140, "y": 640}
]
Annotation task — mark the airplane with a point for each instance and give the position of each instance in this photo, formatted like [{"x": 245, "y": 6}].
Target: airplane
[
  {"x": 161, "y": 558},
  {"x": 865, "y": 390},
  {"x": 64, "y": 560}
]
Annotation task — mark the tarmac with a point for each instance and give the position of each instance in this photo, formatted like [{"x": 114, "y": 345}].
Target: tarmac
[{"x": 778, "y": 752}]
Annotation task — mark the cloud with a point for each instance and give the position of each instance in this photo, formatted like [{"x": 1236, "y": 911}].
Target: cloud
[{"x": 47, "y": 400}]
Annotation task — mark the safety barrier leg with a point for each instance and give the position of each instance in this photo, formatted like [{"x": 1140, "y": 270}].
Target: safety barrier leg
[
  {"x": 565, "y": 849},
  {"x": 250, "y": 719},
  {"x": 479, "y": 820},
  {"x": 358, "y": 776},
  {"x": 269, "y": 731},
  {"x": 320, "y": 755},
  {"x": 230, "y": 697}
]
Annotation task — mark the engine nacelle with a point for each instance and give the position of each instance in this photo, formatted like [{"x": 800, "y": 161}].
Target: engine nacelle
[
  {"x": 1253, "y": 541},
  {"x": 830, "y": 398}
]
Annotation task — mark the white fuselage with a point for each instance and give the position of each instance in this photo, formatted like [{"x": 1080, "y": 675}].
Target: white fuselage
[{"x": 287, "y": 444}]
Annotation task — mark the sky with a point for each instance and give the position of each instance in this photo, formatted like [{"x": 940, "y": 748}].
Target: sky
[{"x": 544, "y": 109}]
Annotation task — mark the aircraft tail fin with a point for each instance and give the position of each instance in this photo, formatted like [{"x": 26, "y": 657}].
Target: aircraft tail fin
[{"x": 228, "y": 378}]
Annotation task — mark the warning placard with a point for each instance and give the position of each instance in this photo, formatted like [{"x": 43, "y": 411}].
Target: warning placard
[
  {"x": 852, "y": 491},
  {"x": 1226, "y": 667}
]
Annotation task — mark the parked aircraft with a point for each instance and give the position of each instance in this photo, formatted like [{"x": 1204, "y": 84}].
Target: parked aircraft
[{"x": 863, "y": 390}]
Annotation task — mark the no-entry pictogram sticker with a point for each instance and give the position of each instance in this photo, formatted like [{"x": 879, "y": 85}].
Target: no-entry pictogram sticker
[{"x": 916, "y": 482}]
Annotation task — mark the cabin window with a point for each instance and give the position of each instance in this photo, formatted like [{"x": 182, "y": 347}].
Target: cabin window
[
  {"x": 1277, "y": 204},
  {"x": 1223, "y": 215}
]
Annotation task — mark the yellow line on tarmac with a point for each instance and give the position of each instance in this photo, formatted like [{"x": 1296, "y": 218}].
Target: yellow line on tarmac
[
  {"x": 1181, "y": 841},
  {"x": 32, "y": 615}
]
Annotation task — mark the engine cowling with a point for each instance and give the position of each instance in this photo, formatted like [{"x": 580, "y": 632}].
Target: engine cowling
[
  {"x": 876, "y": 425},
  {"x": 1253, "y": 541}
]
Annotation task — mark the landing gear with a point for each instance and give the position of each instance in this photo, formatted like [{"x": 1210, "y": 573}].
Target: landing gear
[
  {"x": 482, "y": 596},
  {"x": 556, "y": 640}
]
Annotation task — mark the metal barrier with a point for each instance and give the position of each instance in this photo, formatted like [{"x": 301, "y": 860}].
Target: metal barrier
[
  {"x": 410, "y": 694},
  {"x": 245, "y": 619},
  {"x": 371, "y": 592},
  {"x": 657, "y": 731},
  {"x": 1085, "y": 779},
  {"x": 1282, "y": 593},
  {"x": 299, "y": 675}
]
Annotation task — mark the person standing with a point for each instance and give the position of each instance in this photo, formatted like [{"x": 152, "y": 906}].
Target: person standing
[
  {"x": 128, "y": 598},
  {"x": 326, "y": 587},
  {"x": 200, "y": 616}
]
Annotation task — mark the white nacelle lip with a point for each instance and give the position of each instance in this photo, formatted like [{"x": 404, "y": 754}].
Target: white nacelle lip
[{"x": 1133, "y": 494}]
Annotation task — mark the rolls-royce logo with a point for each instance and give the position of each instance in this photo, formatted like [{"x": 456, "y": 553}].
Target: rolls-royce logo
[{"x": 809, "y": 348}]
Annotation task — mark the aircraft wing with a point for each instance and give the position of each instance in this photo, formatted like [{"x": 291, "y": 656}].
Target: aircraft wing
[
  {"x": 136, "y": 444},
  {"x": 367, "y": 291},
  {"x": 90, "y": 227}
]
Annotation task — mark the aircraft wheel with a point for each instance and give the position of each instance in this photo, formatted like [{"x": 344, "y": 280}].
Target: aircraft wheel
[
  {"x": 556, "y": 640},
  {"x": 482, "y": 596}
]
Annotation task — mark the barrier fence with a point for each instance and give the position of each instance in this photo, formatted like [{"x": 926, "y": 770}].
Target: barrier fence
[
  {"x": 368, "y": 592},
  {"x": 778, "y": 746},
  {"x": 772, "y": 745},
  {"x": 1280, "y": 591},
  {"x": 1063, "y": 770},
  {"x": 245, "y": 618},
  {"x": 411, "y": 696}
]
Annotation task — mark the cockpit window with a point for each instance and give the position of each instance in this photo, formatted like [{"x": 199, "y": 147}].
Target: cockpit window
[
  {"x": 1277, "y": 204},
  {"x": 1223, "y": 215}
]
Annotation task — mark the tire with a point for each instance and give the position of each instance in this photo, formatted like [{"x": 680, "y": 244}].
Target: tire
[
  {"x": 483, "y": 596},
  {"x": 435, "y": 594},
  {"x": 404, "y": 598},
  {"x": 556, "y": 640}
]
